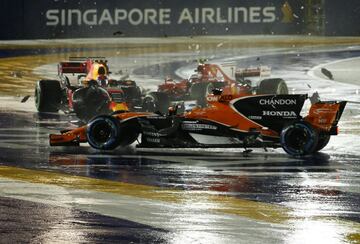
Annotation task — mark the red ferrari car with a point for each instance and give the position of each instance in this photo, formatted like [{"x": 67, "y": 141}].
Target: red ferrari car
[{"x": 210, "y": 76}]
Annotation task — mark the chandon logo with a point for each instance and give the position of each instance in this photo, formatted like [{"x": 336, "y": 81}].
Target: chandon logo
[
  {"x": 277, "y": 102},
  {"x": 280, "y": 113}
]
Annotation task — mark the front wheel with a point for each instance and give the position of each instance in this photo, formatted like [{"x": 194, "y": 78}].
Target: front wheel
[
  {"x": 103, "y": 133},
  {"x": 48, "y": 96},
  {"x": 299, "y": 139}
]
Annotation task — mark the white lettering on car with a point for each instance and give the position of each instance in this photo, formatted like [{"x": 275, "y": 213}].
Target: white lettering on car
[
  {"x": 274, "y": 102},
  {"x": 196, "y": 127},
  {"x": 288, "y": 114}
]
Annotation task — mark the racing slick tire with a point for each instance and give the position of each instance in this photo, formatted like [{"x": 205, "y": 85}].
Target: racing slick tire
[
  {"x": 48, "y": 96},
  {"x": 106, "y": 132},
  {"x": 103, "y": 132},
  {"x": 273, "y": 86},
  {"x": 156, "y": 102},
  {"x": 299, "y": 139},
  {"x": 89, "y": 102},
  {"x": 322, "y": 142},
  {"x": 199, "y": 92}
]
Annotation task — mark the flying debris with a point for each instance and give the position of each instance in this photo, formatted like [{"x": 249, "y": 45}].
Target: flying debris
[
  {"x": 25, "y": 99},
  {"x": 327, "y": 73},
  {"x": 118, "y": 33}
]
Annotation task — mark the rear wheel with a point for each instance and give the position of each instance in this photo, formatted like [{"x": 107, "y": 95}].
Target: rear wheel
[
  {"x": 273, "y": 86},
  {"x": 323, "y": 141},
  {"x": 299, "y": 139},
  {"x": 156, "y": 102},
  {"x": 48, "y": 95}
]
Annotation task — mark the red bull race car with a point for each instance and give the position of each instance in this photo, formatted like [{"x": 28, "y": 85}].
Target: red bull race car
[
  {"x": 86, "y": 89},
  {"x": 255, "y": 121}
]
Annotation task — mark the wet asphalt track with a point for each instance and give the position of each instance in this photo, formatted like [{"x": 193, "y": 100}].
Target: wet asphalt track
[{"x": 79, "y": 195}]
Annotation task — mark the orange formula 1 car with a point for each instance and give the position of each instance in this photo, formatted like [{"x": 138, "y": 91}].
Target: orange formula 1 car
[
  {"x": 248, "y": 121},
  {"x": 86, "y": 89},
  {"x": 208, "y": 76}
]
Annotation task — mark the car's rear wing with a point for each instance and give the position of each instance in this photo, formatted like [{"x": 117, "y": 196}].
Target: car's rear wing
[
  {"x": 261, "y": 71},
  {"x": 83, "y": 59},
  {"x": 78, "y": 64},
  {"x": 325, "y": 115},
  {"x": 72, "y": 67}
]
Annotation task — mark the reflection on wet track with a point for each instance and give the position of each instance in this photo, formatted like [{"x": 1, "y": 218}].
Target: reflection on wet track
[
  {"x": 43, "y": 223},
  {"x": 80, "y": 195}
]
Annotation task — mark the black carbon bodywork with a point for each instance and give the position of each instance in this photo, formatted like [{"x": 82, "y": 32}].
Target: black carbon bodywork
[
  {"x": 161, "y": 131},
  {"x": 271, "y": 111}
]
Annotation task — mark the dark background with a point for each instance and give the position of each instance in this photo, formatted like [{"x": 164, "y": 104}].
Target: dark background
[{"x": 23, "y": 19}]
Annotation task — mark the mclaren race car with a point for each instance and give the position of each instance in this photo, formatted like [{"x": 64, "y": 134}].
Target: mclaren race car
[
  {"x": 248, "y": 121},
  {"x": 85, "y": 88},
  {"x": 243, "y": 81}
]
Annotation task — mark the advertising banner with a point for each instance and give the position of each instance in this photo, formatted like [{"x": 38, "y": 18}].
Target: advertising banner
[
  {"x": 21, "y": 19},
  {"x": 154, "y": 18}
]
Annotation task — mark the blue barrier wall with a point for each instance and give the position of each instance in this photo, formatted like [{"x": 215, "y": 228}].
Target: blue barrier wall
[
  {"x": 11, "y": 19},
  {"x": 23, "y": 19},
  {"x": 342, "y": 18},
  {"x": 91, "y": 18}
]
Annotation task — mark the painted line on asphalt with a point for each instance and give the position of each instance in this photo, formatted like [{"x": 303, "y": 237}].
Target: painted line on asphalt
[
  {"x": 250, "y": 209},
  {"x": 220, "y": 204},
  {"x": 187, "y": 222}
]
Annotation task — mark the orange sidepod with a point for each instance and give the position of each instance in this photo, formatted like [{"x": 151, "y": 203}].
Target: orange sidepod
[{"x": 219, "y": 111}]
